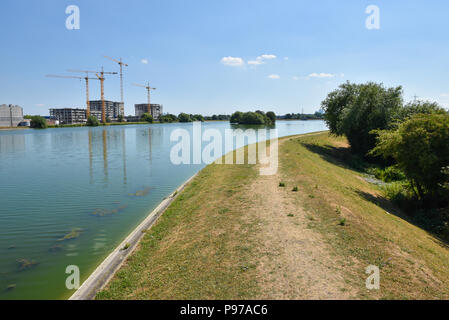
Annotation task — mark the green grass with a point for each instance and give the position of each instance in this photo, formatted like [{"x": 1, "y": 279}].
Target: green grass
[
  {"x": 202, "y": 247},
  {"x": 378, "y": 232},
  {"x": 205, "y": 245}
]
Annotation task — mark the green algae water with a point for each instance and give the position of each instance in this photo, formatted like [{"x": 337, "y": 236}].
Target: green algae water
[{"x": 69, "y": 196}]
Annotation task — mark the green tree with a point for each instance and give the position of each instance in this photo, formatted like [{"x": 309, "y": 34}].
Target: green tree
[
  {"x": 272, "y": 116},
  {"x": 235, "y": 118},
  {"x": 252, "y": 118},
  {"x": 38, "y": 122},
  {"x": 121, "y": 118},
  {"x": 147, "y": 117},
  {"x": 92, "y": 121},
  {"x": 356, "y": 110},
  {"x": 197, "y": 117},
  {"x": 416, "y": 107},
  {"x": 184, "y": 117},
  {"x": 420, "y": 147}
]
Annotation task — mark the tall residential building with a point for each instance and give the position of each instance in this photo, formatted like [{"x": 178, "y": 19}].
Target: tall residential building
[
  {"x": 113, "y": 109},
  {"x": 156, "y": 110},
  {"x": 10, "y": 115},
  {"x": 69, "y": 115}
]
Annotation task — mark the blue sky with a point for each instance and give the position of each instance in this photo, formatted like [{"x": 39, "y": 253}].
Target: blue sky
[{"x": 286, "y": 55}]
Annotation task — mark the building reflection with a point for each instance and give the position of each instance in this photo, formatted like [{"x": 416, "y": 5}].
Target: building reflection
[
  {"x": 102, "y": 144},
  {"x": 12, "y": 143},
  {"x": 124, "y": 155}
]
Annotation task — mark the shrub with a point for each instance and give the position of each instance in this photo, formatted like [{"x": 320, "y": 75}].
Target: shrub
[
  {"x": 390, "y": 174},
  {"x": 355, "y": 110},
  {"x": 420, "y": 148},
  {"x": 184, "y": 117},
  {"x": 92, "y": 121},
  {"x": 272, "y": 116},
  {"x": 168, "y": 118},
  {"x": 147, "y": 117},
  {"x": 236, "y": 117},
  {"x": 38, "y": 122}
]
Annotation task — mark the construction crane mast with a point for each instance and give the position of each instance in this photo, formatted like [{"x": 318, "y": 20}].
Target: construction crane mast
[
  {"x": 86, "y": 78},
  {"x": 149, "y": 93},
  {"x": 100, "y": 76},
  {"x": 121, "y": 64}
]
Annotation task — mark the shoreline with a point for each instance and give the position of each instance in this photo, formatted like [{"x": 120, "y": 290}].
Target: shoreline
[
  {"x": 100, "y": 277},
  {"x": 106, "y": 270}
]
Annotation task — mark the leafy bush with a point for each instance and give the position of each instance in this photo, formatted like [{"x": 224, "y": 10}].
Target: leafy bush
[
  {"x": 38, "y": 122},
  {"x": 417, "y": 107},
  {"x": 420, "y": 148},
  {"x": 147, "y": 117},
  {"x": 168, "y": 118},
  {"x": 390, "y": 174},
  {"x": 355, "y": 110},
  {"x": 92, "y": 121},
  {"x": 257, "y": 118},
  {"x": 184, "y": 117},
  {"x": 197, "y": 117},
  {"x": 236, "y": 117}
]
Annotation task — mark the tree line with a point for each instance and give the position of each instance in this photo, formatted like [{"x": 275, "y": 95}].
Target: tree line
[{"x": 408, "y": 142}]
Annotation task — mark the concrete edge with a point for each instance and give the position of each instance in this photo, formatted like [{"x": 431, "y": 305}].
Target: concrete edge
[{"x": 107, "y": 269}]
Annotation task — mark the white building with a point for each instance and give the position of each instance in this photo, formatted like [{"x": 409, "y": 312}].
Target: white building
[{"x": 10, "y": 115}]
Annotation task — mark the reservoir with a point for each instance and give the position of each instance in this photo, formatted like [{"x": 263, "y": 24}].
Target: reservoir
[{"x": 69, "y": 196}]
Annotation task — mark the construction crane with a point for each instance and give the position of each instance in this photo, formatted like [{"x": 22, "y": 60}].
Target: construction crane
[
  {"x": 86, "y": 78},
  {"x": 149, "y": 93},
  {"x": 100, "y": 76},
  {"x": 121, "y": 64}
]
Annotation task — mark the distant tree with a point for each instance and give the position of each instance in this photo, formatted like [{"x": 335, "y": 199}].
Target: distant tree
[
  {"x": 356, "y": 110},
  {"x": 197, "y": 117},
  {"x": 252, "y": 118},
  {"x": 416, "y": 107},
  {"x": 168, "y": 118},
  {"x": 236, "y": 117},
  {"x": 147, "y": 117},
  {"x": 420, "y": 147},
  {"x": 121, "y": 118},
  {"x": 272, "y": 116},
  {"x": 38, "y": 122},
  {"x": 92, "y": 121},
  {"x": 184, "y": 117}
]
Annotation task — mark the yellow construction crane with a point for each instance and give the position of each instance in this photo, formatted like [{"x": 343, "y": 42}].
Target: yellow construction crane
[
  {"x": 100, "y": 76},
  {"x": 86, "y": 78},
  {"x": 121, "y": 64},
  {"x": 149, "y": 94}
]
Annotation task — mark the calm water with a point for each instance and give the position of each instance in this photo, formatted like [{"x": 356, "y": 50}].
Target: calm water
[{"x": 99, "y": 183}]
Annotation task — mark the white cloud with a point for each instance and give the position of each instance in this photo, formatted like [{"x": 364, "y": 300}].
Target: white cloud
[
  {"x": 40, "y": 105},
  {"x": 232, "y": 61},
  {"x": 144, "y": 61},
  {"x": 266, "y": 57},
  {"x": 444, "y": 95},
  {"x": 285, "y": 58},
  {"x": 321, "y": 75},
  {"x": 255, "y": 62},
  {"x": 274, "y": 76},
  {"x": 295, "y": 78}
]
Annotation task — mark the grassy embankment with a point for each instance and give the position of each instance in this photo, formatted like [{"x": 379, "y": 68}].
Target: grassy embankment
[{"x": 233, "y": 234}]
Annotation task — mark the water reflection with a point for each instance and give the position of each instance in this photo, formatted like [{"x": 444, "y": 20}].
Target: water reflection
[{"x": 12, "y": 143}]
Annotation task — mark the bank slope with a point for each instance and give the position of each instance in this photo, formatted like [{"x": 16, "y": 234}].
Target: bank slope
[{"x": 233, "y": 234}]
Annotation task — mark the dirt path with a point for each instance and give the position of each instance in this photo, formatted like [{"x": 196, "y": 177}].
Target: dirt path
[{"x": 296, "y": 263}]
